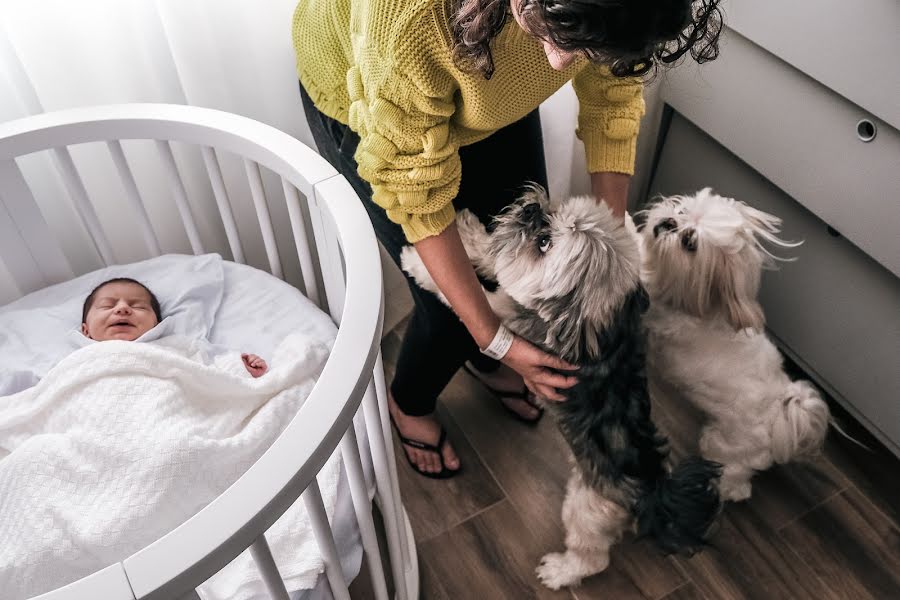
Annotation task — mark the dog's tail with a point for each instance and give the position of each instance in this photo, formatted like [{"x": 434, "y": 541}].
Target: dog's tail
[
  {"x": 679, "y": 511},
  {"x": 799, "y": 428}
]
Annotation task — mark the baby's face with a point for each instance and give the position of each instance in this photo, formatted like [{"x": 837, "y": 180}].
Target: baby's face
[{"x": 120, "y": 311}]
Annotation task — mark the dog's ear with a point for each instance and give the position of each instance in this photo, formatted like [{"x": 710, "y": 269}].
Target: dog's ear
[
  {"x": 568, "y": 335},
  {"x": 733, "y": 284},
  {"x": 643, "y": 299},
  {"x": 760, "y": 221},
  {"x": 743, "y": 315},
  {"x": 740, "y": 309},
  {"x": 533, "y": 192},
  {"x": 625, "y": 323},
  {"x": 764, "y": 226}
]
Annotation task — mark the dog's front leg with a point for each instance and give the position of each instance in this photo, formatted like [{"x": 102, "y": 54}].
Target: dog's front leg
[
  {"x": 740, "y": 454},
  {"x": 734, "y": 484},
  {"x": 593, "y": 524}
]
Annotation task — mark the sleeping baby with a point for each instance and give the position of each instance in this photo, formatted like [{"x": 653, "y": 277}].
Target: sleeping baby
[{"x": 125, "y": 309}]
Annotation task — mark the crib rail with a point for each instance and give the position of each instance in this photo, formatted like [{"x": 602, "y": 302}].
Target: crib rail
[{"x": 336, "y": 253}]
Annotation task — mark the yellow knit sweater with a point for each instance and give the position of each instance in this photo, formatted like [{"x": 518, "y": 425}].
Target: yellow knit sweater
[{"x": 384, "y": 67}]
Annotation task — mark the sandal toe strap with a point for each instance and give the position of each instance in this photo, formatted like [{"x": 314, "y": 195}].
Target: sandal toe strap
[{"x": 420, "y": 445}]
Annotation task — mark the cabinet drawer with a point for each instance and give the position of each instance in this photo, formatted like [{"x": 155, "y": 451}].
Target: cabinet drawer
[
  {"x": 834, "y": 309},
  {"x": 802, "y": 137},
  {"x": 847, "y": 46}
]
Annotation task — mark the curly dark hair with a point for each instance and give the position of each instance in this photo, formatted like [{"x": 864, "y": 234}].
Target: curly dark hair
[{"x": 632, "y": 37}]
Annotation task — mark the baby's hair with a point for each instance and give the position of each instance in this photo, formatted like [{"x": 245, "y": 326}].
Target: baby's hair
[{"x": 89, "y": 301}]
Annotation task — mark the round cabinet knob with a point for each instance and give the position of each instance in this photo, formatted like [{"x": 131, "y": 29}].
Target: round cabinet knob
[{"x": 866, "y": 130}]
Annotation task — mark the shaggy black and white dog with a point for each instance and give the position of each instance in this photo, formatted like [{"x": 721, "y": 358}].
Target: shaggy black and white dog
[{"x": 569, "y": 281}]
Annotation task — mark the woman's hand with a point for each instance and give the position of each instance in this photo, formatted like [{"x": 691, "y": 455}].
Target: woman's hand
[
  {"x": 256, "y": 366},
  {"x": 538, "y": 369}
]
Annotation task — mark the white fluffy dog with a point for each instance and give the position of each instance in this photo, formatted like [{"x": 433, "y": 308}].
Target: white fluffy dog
[{"x": 702, "y": 261}]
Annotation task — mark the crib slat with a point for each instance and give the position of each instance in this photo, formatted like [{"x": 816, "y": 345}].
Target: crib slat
[
  {"x": 180, "y": 194},
  {"x": 27, "y": 234},
  {"x": 301, "y": 240},
  {"x": 389, "y": 500},
  {"x": 82, "y": 203},
  {"x": 134, "y": 196},
  {"x": 312, "y": 499},
  {"x": 15, "y": 255},
  {"x": 262, "y": 556},
  {"x": 262, "y": 214},
  {"x": 329, "y": 251},
  {"x": 222, "y": 200},
  {"x": 381, "y": 396},
  {"x": 363, "y": 508}
]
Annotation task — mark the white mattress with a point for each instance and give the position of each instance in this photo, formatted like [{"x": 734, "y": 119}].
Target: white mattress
[{"x": 255, "y": 314}]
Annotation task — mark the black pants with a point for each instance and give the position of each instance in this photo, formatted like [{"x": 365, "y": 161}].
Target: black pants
[{"x": 436, "y": 343}]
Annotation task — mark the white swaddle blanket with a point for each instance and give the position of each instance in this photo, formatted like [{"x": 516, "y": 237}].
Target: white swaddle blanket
[{"x": 122, "y": 442}]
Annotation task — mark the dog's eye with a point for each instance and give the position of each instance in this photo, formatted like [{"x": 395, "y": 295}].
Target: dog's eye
[{"x": 544, "y": 243}]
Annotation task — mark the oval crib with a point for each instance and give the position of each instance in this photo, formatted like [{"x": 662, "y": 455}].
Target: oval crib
[{"x": 340, "y": 272}]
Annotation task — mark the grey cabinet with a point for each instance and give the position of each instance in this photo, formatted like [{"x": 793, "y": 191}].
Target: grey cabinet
[{"x": 769, "y": 124}]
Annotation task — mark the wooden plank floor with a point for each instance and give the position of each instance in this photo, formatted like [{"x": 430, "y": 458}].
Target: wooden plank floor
[{"x": 827, "y": 529}]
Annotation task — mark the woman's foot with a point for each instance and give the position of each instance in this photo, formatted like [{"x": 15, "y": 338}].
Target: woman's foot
[
  {"x": 427, "y": 430},
  {"x": 503, "y": 380}
]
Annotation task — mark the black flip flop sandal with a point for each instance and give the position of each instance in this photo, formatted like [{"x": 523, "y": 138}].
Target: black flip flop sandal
[
  {"x": 524, "y": 395},
  {"x": 444, "y": 473}
]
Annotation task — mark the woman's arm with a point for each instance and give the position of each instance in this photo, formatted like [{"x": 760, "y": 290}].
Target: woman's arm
[
  {"x": 447, "y": 263},
  {"x": 445, "y": 258},
  {"x": 610, "y": 110},
  {"x": 613, "y": 189}
]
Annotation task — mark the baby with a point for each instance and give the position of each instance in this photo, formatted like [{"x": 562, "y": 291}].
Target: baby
[{"x": 125, "y": 309}]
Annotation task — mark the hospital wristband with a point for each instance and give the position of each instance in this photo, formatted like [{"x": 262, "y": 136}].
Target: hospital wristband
[{"x": 500, "y": 345}]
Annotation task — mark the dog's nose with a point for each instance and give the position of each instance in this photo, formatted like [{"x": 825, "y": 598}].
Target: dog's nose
[
  {"x": 689, "y": 240},
  {"x": 667, "y": 224}
]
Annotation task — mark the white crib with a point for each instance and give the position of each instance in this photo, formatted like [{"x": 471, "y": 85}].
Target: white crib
[{"x": 341, "y": 273}]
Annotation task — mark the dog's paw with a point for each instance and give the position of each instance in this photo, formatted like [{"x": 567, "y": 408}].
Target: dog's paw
[
  {"x": 468, "y": 223},
  {"x": 555, "y": 571},
  {"x": 735, "y": 491},
  {"x": 410, "y": 261},
  {"x": 473, "y": 234}
]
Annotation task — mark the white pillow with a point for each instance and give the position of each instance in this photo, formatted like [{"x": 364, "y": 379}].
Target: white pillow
[
  {"x": 258, "y": 311},
  {"x": 40, "y": 329}
]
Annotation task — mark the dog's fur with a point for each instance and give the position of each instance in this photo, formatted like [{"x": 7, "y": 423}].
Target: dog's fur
[
  {"x": 569, "y": 281},
  {"x": 703, "y": 259}
]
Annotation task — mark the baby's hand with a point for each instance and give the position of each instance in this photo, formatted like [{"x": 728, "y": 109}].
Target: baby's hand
[{"x": 256, "y": 366}]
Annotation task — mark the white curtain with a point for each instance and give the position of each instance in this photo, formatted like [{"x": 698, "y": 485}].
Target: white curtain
[{"x": 231, "y": 55}]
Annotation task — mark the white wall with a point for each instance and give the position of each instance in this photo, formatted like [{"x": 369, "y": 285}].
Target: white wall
[{"x": 566, "y": 164}]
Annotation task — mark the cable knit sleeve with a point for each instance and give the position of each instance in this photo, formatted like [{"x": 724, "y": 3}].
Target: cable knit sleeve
[
  {"x": 610, "y": 110},
  {"x": 407, "y": 150}
]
